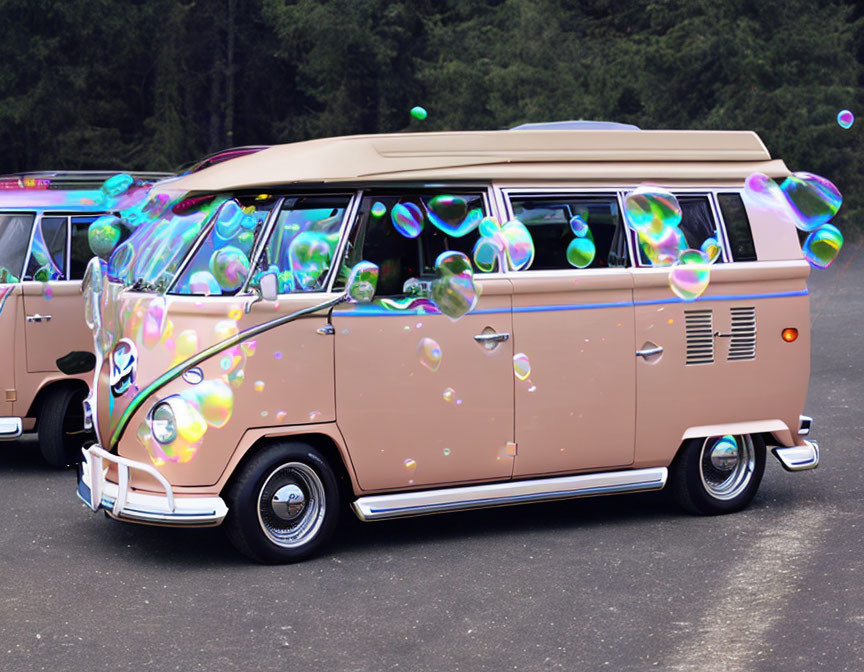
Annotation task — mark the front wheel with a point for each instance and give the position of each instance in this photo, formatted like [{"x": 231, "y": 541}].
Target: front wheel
[
  {"x": 718, "y": 474},
  {"x": 284, "y": 504},
  {"x": 61, "y": 426}
]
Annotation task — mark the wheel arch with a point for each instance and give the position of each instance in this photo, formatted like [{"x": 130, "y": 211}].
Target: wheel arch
[{"x": 49, "y": 388}]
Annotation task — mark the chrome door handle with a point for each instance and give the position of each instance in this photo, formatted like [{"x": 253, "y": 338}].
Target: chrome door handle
[
  {"x": 650, "y": 352},
  {"x": 491, "y": 338},
  {"x": 38, "y": 318}
]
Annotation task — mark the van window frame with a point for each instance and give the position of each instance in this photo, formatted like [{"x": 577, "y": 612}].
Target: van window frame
[
  {"x": 508, "y": 192},
  {"x": 722, "y": 220},
  {"x": 26, "y": 211},
  {"x": 485, "y": 190},
  {"x": 719, "y": 225}
]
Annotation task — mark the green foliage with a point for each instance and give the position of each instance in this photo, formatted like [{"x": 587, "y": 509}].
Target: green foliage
[{"x": 152, "y": 84}]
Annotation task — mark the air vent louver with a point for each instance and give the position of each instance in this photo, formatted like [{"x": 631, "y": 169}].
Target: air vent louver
[
  {"x": 700, "y": 336},
  {"x": 742, "y": 345}
]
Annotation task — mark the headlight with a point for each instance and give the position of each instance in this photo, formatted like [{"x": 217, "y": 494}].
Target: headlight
[{"x": 163, "y": 424}]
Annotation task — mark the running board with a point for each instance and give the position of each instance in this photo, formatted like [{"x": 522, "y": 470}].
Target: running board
[{"x": 418, "y": 503}]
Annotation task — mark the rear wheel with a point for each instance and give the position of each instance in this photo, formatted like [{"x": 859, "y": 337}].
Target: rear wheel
[
  {"x": 284, "y": 504},
  {"x": 718, "y": 474},
  {"x": 61, "y": 426}
]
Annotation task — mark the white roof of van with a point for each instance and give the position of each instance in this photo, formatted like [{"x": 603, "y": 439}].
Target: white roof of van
[{"x": 495, "y": 155}]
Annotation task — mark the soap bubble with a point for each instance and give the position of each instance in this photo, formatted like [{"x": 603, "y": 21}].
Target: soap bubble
[
  {"x": 814, "y": 199},
  {"x": 823, "y": 245},
  {"x": 845, "y": 118},
  {"x": 309, "y": 258},
  {"x": 518, "y": 245},
  {"x": 258, "y": 386},
  {"x": 521, "y": 366},
  {"x": 711, "y": 248},
  {"x": 117, "y": 185},
  {"x": 663, "y": 250},
  {"x": 154, "y": 322},
  {"x": 230, "y": 267},
  {"x": 430, "y": 353},
  {"x": 410, "y": 464},
  {"x": 419, "y": 113},
  {"x": 450, "y": 214},
  {"x": 379, "y": 209},
  {"x": 203, "y": 282},
  {"x": 103, "y": 235},
  {"x": 650, "y": 210},
  {"x": 228, "y": 220},
  {"x": 580, "y": 252},
  {"x": 407, "y": 219},
  {"x": 244, "y": 242},
  {"x": 487, "y": 252},
  {"x": 363, "y": 281},
  {"x": 449, "y": 394},
  {"x": 689, "y": 277},
  {"x": 47, "y": 292},
  {"x": 511, "y": 245},
  {"x": 453, "y": 289},
  {"x": 215, "y": 402},
  {"x": 579, "y": 226}
]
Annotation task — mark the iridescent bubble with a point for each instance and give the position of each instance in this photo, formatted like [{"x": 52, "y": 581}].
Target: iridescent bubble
[
  {"x": 580, "y": 252},
  {"x": 244, "y": 242},
  {"x": 446, "y": 452},
  {"x": 663, "y": 250},
  {"x": 450, "y": 214},
  {"x": 235, "y": 313},
  {"x": 579, "y": 226},
  {"x": 154, "y": 322},
  {"x": 711, "y": 248},
  {"x": 258, "y": 386},
  {"x": 277, "y": 355},
  {"x": 518, "y": 245},
  {"x": 225, "y": 329},
  {"x": 203, "y": 282},
  {"x": 47, "y": 292},
  {"x": 379, "y": 209},
  {"x": 185, "y": 345},
  {"x": 407, "y": 219},
  {"x": 449, "y": 394},
  {"x": 689, "y": 277},
  {"x": 521, "y": 366},
  {"x": 487, "y": 252},
  {"x": 117, "y": 185},
  {"x": 453, "y": 289},
  {"x": 309, "y": 258},
  {"x": 814, "y": 199},
  {"x": 190, "y": 424},
  {"x": 215, "y": 402},
  {"x": 764, "y": 193},
  {"x": 845, "y": 118},
  {"x": 823, "y": 245},
  {"x": 649, "y": 210},
  {"x": 410, "y": 464},
  {"x": 362, "y": 282},
  {"x": 281, "y": 416},
  {"x": 230, "y": 267},
  {"x": 103, "y": 235},
  {"x": 228, "y": 220},
  {"x": 419, "y": 113},
  {"x": 430, "y": 353},
  {"x": 249, "y": 347}
]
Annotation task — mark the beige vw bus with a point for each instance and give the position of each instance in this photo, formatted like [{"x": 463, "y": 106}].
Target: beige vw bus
[
  {"x": 47, "y": 349},
  {"x": 261, "y": 385}
]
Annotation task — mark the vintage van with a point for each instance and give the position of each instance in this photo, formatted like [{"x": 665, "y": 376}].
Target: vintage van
[
  {"x": 44, "y": 250},
  {"x": 254, "y": 384}
]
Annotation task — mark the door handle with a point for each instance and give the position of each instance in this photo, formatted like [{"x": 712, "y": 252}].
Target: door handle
[
  {"x": 38, "y": 318},
  {"x": 650, "y": 352},
  {"x": 491, "y": 338}
]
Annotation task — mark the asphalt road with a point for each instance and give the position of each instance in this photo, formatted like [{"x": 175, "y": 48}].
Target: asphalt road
[{"x": 621, "y": 583}]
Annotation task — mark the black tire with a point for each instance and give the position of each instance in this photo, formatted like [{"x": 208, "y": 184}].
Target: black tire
[
  {"x": 698, "y": 485},
  {"x": 61, "y": 426},
  {"x": 269, "y": 536}
]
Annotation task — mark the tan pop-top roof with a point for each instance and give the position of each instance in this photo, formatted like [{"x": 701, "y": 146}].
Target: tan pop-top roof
[{"x": 491, "y": 155}]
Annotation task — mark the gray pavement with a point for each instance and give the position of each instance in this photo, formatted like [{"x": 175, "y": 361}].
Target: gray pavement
[{"x": 620, "y": 583}]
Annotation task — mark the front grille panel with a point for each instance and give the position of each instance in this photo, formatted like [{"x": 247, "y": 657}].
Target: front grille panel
[{"x": 700, "y": 336}]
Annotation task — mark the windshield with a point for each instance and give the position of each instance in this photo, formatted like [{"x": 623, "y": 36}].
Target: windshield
[{"x": 14, "y": 238}]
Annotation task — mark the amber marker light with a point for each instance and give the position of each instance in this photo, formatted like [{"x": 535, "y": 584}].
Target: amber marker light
[{"x": 789, "y": 334}]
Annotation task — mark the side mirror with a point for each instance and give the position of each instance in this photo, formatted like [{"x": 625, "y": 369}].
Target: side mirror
[
  {"x": 269, "y": 284},
  {"x": 362, "y": 282}
]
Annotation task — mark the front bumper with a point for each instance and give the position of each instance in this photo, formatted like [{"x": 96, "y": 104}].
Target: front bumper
[{"x": 123, "y": 503}]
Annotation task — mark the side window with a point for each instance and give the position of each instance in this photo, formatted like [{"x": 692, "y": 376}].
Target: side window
[
  {"x": 48, "y": 252},
  {"x": 737, "y": 227},
  {"x": 697, "y": 224},
  {"x": 555, "y": 222},
  {"x": 15, "y": 230},
  {"x": 80, "y": 252},
  {"x": 304, "y": 240},
  {"x": 403, "y": 234}
]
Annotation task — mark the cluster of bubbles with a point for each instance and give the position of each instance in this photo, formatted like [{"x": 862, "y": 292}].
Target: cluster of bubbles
[
  {"x": 506, "y": 247},
  {"x": 845, "y": 119},
  {"x": 581, "y": 250},
  {"x": 655, "y": 215},
  {"x": 449, "y": 214},
  {"x": 810, "y": 201}
]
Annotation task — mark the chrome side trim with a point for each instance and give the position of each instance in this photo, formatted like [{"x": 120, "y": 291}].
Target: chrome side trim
[
  {"x": 123, "y": 503},
  {"x": 805, "y": 422},
  {"x": 10, "y": 428},
  {"x": 798, "y": 458},
  {"x": 403, "y": 504}
]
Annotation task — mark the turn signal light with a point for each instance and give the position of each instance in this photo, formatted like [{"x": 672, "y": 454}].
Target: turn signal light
[{"x": 789, "y": 334}]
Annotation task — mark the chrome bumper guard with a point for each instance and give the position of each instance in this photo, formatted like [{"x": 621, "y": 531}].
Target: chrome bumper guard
[
  {"x": 798, "y": 458},
  {"x": 123, "y": 503},
  {"x": 10, "y": 428}
]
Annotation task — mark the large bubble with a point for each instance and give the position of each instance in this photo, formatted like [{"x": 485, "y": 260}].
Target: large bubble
[
  {"x": 649, "y": 210},
  {"x": 230, "y": 267},
  {"x": 509, "y": 246},
  {"x": 823, "y": 245},
  {"x": 309, "y": 258},
  {"x": 450, "y": 214},
  {"x": 689, "y": 277},
  {"x": 453, "y": 289},
  {"x": 664, "y": 249},
  {"x": 228, "y": 220},
  {"x": 580, "y": 252},
  {"x": 407, "y": 218},
  {"x": 814, "y": 199},
  {"x": 845, "y": 118},
  {"x": 103, "y": 235}
]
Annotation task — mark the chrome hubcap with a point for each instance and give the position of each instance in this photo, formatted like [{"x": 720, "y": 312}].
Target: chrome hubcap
[
  {"x": 291, "y": 505},
  {"x": 726, "y": 465}
]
